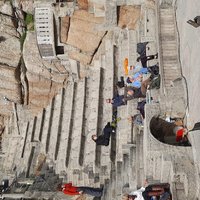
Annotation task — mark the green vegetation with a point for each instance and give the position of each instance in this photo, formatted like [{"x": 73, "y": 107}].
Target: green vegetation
[
  {"x": 29, "y": 21},
  {"x": 22, "y": 39}
]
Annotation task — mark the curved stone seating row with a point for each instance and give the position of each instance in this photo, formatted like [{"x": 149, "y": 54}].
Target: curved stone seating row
[{"x": 166, "y": 162}]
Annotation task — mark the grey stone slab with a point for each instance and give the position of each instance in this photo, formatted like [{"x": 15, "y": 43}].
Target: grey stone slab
[{"x": 67, "y": 111}]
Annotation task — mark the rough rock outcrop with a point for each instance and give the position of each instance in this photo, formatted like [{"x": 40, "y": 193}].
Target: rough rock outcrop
[
  {"x": 128, "y": 16},
  {"x": 43, "y": 78},
  {"x": 10, "y": 45},
  {"x": 64, "y": 26},
  {"x": 27, "y": 6},
  {"x": 10, "y": 54},
  {"x": 83, "y": 4}
]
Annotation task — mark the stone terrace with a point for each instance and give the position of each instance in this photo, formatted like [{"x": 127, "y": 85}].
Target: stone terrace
[{"x": 62, "y": 131}]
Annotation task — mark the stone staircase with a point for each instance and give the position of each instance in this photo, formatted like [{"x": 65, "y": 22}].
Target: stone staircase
[
  {"x": 168, "y": 44},
  {"x": 62, "y": 131}
]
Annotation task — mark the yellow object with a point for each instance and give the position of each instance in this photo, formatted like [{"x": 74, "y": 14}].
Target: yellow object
[{"x": 126, "y": 66}]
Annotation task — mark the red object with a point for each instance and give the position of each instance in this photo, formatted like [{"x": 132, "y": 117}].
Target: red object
[
  {"x": 179, "y": 134},
  {"x": 69, "y": 189}
]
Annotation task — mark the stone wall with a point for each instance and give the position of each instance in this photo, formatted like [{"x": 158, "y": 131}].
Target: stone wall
[{"x": 44, "y": 78}]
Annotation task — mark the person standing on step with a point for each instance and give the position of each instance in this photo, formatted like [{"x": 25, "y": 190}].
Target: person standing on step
[
  {"x": 104, "y": 139},
  {"x": 71, "y": 190}
]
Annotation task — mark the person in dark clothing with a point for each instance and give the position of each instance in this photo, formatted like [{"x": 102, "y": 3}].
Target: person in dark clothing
[
  {"x": 140, "y": 107},
  {"x": 121, "y": 83},
  {"x": 145, "y": 58},
  {"x": 104, "y": 139},
  {"x": 132, "y": 93},
  {"x": 117, "y": 101}
]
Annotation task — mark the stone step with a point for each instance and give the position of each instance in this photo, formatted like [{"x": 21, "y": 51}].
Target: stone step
[
  {"x": 157, "y": 167},
  {"x": 107, "y": 190},
  {"x": 111, "y": 13},
  {"x": 167, "y": 31},
  {"x": 171, "y": 73},
  {"x": 9, "y": 85},
  {"x": 178, "y": 194},
  {"x": 132, "y": 47},
  {"x": 91, "y": 114},
  {"x": 166, "y": 11},
  {"x": 106, "y": 91},
  {"x": 123, "y": 53},
  {"x": 126, "y": 164},
  {"x": 7, "y": 73},
  {"x": 166, "y": 24},
  {"x": 149, "y": 168},
  {"x": 166, "y": 170},
  {"x": 119, "y": 183},
  {"x": 28, "y": 143},
  {"x": 139, "y": 158},
  {"x": 167, "y": 17},
  {"x": 99, "y": 9},
  {"x": 38, "y": 126},
  {"x": 150, "y": 15},
  {"x": 132, "y": 168},
  {"x": 77, "y": 125},
  {"x": 168, "y": 37},
  {"x": 45, "y": 129},
  {"x": 166, "y": 47},
  {"x": 123, "y": 131},
  {"x": 65, "y": 120},
  {"x": 53, "y": 132},
  {"x": 172, "y": 66}
]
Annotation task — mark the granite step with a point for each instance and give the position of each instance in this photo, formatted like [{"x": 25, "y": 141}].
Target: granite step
[
  {"x": 132, "y": 47},
  {"x": 139, "y": 158},
  {"x": 166, "y": 169},
  {"x": 123, "y": 132},
  {"x": 91, "y": 115},
  {"x": 28, "y": 144},
  {"x": 105, "y": 110},
  {"x": 46, "y": 126},
  {"x": 77, "y": 125},
  {"x": 62, "y": 141},
  {"x": 53, "y": 132}
]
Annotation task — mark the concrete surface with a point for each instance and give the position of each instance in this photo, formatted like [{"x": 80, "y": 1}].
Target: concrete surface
[{"x": 189, "y": 54}]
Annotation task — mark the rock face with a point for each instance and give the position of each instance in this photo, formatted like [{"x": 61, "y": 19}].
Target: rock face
[
  {"x": 64, "y": 26},
  {"x": 10, "y": 53},
  {"x": 83, "y": 4},
  {"x": 128, "y": 16},
  {"x": 27, "y": 6},
  {"x": 83, "y": 36},
  {"x": 43, "y": 78},
  {"x": 10, "y": 46}
]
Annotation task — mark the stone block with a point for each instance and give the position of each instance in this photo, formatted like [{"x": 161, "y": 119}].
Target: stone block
[
  {"x": 83, "y": 4},
  {"x": 129, "y": 16},
  {"x": 83, "y": 35},
  {"x": 64, "y": 24}
]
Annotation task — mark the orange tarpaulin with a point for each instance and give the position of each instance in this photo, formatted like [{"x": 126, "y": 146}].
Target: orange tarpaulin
[{"x": 126, "y": 66}]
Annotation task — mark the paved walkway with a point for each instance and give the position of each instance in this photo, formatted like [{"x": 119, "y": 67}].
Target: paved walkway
[{"x": 189, "y": 54}]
